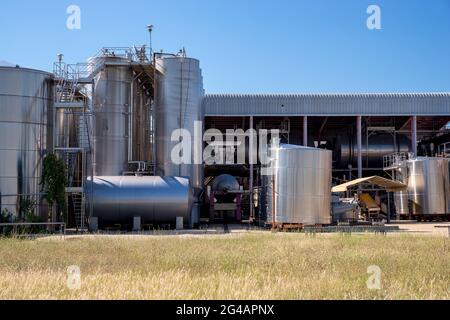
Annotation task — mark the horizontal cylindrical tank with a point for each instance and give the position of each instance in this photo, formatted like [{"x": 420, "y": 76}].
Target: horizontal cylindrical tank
[
  {"x": 302, "y": 179},
  {"x": 225, "y": 183},
  {"x": 26, "y": 118},
  {"x": 178, "y": 106},
  {"x": 155, "y": 199},
  {"x": 379, "y": 145},
  {"x": 428, "y": 185},
  {"x": 111, "y": 97}
]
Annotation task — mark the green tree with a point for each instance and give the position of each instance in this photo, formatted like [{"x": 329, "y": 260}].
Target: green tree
[{"x": 54, "y": 181}]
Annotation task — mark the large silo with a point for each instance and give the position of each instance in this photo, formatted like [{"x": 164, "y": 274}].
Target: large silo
[
  {"x": 179, "y": 96},
  {"x": 112, "y": 98},
  {"x": 26, "y": 117},
  {"x": 302, "y": 178}
]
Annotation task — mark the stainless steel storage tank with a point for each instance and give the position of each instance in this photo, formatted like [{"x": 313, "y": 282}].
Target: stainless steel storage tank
[
  {"x": 178, "y": 105},
  {"x": 401, "y": 198},
  {"x": 446, "y": 172},
  {"x": 26, "y": 117},
  {"x": 427, "y": 185},
  {"x": 112, "y": 94},
  {"x": 302, "y": 185},
  {"x": 154, "y": 199},
  {"x": 401, "y": 201}
]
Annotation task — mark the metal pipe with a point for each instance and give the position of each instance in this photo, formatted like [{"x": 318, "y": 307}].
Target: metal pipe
[
  {"x": 359, "y": 143},
  {"x": 414, "y": 135},
  {"x": 305, "y": 131},
  {"x": 131, "y": 111}
]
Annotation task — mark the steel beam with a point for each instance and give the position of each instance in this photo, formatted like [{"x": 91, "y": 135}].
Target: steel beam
[
  {"x": 305, "y": 131},
  {"x": 359, "y": 142},
  {"x": 414, "y": 135}
]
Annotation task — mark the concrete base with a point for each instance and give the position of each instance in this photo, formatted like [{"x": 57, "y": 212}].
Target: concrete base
[
  {"x": 137, "y": 224},
  {"x": 180, "y": 223},
  {"x": 93, "y": 224},
  {"x": 195, "y": 215}
]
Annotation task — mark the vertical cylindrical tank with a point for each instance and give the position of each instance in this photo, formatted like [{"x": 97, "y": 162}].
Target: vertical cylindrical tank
[
  {"x": 302, "y": 177},
  {"x": 401, "y": 201},
  {"x": 446, "y": 173},
  {"x": 111, "y": 97},
  {"x": 427, "y": 185},
  {"x": 178, "y": 106},
  {"x": 26, "y": 117},
  {"x": 401, "y": 198}
]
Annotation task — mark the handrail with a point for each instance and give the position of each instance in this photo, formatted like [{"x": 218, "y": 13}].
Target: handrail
[{"x": 396, "y": 159}]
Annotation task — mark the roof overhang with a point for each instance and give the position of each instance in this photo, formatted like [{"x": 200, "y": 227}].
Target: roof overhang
[
  {"x": 396, "y": 104},
  {"x": 389, "y": 185}
]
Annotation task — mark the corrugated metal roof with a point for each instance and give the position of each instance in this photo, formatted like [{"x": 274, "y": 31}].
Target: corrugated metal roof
[{"x": 369, "y": 104}]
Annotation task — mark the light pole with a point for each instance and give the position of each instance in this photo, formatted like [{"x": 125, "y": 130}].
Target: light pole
[{"x": 150, "y": 30}]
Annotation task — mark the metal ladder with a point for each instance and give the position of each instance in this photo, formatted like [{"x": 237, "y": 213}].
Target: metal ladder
[{"x": 78, "y": 202}]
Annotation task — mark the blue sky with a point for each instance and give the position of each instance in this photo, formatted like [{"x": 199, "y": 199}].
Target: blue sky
[{"x": 250, "y": 46}]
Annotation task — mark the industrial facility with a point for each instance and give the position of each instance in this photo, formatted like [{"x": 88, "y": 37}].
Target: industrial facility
[{"x": 337, "y": 157}]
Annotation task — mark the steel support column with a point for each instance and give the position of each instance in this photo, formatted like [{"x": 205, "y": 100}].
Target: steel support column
[
  {"x": 359, "y": 146},
  {"x": 305, "y": 131},
  {"x": 414, "y": 135}
]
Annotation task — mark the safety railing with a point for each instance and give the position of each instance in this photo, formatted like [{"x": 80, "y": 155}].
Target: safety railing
[
  {"x": 136, "y": 53},
  {"x": 396, "y": 159}
]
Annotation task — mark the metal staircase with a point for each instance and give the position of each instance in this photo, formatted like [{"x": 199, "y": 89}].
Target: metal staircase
[{"x": 75, "y": 145}]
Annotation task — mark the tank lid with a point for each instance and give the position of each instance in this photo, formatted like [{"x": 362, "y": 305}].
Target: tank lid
[
  {"x": 4, "y": 63},
  {"x": 20, "y": 69}
]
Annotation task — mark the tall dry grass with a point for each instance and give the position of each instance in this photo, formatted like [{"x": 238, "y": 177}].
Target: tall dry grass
[{"x": 246, "y": 266}]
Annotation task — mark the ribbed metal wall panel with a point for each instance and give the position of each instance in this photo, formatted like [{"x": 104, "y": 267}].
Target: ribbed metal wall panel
[{"x": 399, "y": 104}]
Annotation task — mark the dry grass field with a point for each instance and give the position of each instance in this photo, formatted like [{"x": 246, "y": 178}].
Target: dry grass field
[{"x": 239, "y": 266}]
